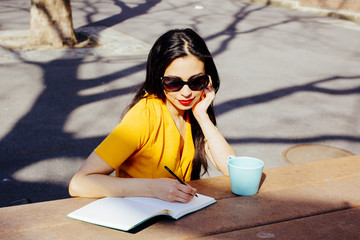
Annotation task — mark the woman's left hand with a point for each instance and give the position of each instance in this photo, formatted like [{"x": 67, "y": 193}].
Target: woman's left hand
[{"x": 208, "y": 96}]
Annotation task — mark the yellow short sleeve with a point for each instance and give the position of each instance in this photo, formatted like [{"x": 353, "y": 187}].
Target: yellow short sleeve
[{"x": 126, "y": 138}]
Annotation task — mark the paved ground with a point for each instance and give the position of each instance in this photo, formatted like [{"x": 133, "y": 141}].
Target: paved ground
[{"x": 287, "y": 77}]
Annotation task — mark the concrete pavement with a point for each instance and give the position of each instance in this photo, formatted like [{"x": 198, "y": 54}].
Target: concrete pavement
[{"x": 288, "y": 77}]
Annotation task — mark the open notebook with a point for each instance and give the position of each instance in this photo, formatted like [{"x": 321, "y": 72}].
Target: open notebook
[{"x": 126, "y": 213}]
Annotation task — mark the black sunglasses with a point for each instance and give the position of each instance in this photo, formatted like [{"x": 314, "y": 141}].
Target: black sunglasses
[{"x": 174, "y": 84}]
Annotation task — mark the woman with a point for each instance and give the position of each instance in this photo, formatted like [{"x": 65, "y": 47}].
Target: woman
[{"x": 170, "y": 122}]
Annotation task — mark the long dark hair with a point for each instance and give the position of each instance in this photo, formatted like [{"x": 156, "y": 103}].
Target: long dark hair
[{"x": 170, "y": 46}]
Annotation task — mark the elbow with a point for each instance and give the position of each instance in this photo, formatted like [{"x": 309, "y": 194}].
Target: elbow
[
  {"x": 72, "y": 192},
  {"x": 74, "y": 187},
  {"x": 225, "y": 171}
]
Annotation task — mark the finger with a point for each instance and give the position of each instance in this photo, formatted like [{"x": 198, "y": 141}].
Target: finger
[
  {"x": 209, "y": 89},
  {"x": 183, "y": 193},
  {"x": 187, "y": 189},
  {"x": 210, "y": 83},
  {"x": 210, "y": 95},
  {"x": 184, "y": 197}
]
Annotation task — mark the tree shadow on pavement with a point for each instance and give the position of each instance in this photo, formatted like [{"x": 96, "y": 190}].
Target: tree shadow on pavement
[
  {"x": 315, "y": 87},
  {"x": 281, "y": 93}
]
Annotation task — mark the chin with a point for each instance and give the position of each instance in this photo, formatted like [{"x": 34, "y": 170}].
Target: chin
[{"x": 184, "y": 108}]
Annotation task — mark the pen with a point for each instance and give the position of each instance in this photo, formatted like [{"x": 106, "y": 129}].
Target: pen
[{"x": 177, "y": 178}]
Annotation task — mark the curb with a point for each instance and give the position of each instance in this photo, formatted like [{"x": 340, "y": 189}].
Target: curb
[{"x": 345, "y": 15}]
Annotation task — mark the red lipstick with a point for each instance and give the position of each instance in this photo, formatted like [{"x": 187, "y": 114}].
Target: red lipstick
[{"x": 186, "y": 102}]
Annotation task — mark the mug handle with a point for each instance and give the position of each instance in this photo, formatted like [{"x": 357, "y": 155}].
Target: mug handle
[{"x": 230, "y": 158}]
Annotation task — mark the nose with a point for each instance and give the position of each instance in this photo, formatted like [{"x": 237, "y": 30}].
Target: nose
[{"x": 186, "y": 91}]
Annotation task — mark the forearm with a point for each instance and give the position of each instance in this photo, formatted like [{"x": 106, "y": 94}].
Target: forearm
[
  {"x": 218, "y": 147},
  {"x": 99, "y": 185}
]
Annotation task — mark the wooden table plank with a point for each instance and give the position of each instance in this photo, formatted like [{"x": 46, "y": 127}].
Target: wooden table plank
[
  {"x": 309, "y": 173},
  {"x": 330, "y": 226}
]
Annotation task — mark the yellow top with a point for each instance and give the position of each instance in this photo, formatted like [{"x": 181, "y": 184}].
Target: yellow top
[{"x": 146, "y": 140}]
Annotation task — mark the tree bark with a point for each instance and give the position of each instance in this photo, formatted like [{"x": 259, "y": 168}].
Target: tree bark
[{"x": 51, "y": 24}]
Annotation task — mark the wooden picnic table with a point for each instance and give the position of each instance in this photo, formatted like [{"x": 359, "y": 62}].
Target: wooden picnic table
[{"x": 318, "y": 200}]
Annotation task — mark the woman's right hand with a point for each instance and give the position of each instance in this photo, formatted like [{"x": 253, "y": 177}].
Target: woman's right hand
[{"x": 172, "y": 191}]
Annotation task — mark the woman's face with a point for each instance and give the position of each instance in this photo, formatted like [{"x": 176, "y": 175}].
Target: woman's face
[{"x": 185, "y": 68}]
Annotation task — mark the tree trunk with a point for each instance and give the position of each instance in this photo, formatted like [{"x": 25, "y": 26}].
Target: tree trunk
[{"x": 51, "y": 24}]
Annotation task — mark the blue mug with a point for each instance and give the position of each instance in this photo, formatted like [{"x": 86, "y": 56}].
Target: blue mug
[{"x": 245, "y": 174}]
